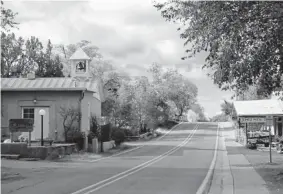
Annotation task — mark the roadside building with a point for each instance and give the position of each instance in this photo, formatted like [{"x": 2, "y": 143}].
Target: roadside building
[
  {"x": 251, "y": 119},
  {"x": 24, "y": 97}
]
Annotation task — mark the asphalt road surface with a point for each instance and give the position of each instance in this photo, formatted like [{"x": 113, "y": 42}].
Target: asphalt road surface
[{"x": 176, "y": 163}]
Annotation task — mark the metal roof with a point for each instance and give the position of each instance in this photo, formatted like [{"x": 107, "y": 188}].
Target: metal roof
[
  {"x": 79, "y": 54},
  {"x": 49, "y": 84},
  {"x": 258, "y": 107}
]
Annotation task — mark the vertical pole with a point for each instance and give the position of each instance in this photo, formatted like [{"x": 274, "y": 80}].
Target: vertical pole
[
  {"x": 41, "y": 130},
  {"x": 101, "y": 139},
  {"x": 11, "y": 137},
  {"x": 246, "y": 133},
  {"x": 29, "y": 138},
  {"x": 270, "y": 142},
  {"x": 86, "y": 141}
]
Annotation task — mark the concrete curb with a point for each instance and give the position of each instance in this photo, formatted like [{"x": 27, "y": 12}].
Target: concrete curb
[{"x": 206, "y": 183}]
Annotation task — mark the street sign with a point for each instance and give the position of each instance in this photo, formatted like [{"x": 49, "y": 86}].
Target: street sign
[
  {"x": 252, "y": 119},
  {"x": 269, "y": 120},
  {"x": 21, "y": 125}
]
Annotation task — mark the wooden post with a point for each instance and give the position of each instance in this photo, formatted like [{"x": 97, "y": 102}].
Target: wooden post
[
  {"x": 246, "y": 133},
  {"x": 29, "y": 138}
]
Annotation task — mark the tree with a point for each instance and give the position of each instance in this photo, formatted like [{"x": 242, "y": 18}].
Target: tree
[
  {"x": 243, "y": 39},
  {"x": 49, "y": 65},
  {"x": 220, "y": 118},
  {"x": 254, "y": 92},
  {"x": 71, "y": 116},
  {"x": 12, "y": 55},
  {"x": 170, "y": 85},
  {"x": 7, "y": 18},
  {"x": 19, "y": 57},
  {"x": 198, "y": 109}
]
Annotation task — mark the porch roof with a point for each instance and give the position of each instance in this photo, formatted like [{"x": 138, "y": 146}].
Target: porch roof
[{"x": 258, "y": 107}]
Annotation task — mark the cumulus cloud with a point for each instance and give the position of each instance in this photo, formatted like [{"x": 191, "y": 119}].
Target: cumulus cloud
[{"x": 132, "y": 34}]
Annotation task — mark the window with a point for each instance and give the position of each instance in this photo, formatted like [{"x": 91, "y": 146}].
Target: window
[{"x": 28, "y": 113}]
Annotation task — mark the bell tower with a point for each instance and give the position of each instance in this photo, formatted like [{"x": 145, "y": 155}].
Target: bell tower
[{"x": 80, "y": 64}]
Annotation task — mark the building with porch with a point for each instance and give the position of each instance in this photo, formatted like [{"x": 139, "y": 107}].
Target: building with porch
[
  {"x": 25, "y": 97},
  {"x": 251, "y": 118}
]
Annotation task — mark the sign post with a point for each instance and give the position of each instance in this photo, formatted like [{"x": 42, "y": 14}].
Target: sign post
[
  {"x": 21, "y": 125},
  {"x": 269, "y": 123}
]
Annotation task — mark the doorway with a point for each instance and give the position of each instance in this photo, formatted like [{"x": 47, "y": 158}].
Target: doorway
[{"x": 33, "y": 113}]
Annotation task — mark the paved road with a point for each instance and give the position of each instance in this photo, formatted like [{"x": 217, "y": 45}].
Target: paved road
[{"x": 176, "y": 163}]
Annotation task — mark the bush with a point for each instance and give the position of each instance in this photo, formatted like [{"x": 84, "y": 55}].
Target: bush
[
  {"x": 77, "y": 137},
  {"x": 251, "y": 146},
  {"x": 167, "y": 124},
  {"x": 118, "y": 135}
]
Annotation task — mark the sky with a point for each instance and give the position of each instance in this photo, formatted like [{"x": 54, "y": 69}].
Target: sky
[{"x": 130, "y": 33}]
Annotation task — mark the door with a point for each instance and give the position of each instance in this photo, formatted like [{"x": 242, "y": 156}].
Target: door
[{"x": 33, "y": 113}]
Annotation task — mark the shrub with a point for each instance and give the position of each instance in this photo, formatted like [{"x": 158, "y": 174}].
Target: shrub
[
  {"x": 118, "y": 135},
  {"x": 251, "y": 146},
  {"x": 76, "y": 136}
]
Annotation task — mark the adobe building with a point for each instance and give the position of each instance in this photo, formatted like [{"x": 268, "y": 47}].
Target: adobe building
[{"x": 24, "y": 97}]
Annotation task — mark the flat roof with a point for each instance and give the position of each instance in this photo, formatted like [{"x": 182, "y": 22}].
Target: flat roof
[{"x": 258, "y": 107}]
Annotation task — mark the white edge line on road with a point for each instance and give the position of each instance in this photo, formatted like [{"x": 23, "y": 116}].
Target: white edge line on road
[
  {"x": 130, "y": 150},
  {"x": 136, "y": 168},
  {"x": 206, "y": 183}
]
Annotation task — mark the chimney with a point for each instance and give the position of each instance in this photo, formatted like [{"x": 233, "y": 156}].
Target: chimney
[{"x": 31, "y": 76}]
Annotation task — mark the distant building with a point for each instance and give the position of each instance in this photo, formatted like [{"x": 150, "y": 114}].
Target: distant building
[{"x": 24, "y": 97}]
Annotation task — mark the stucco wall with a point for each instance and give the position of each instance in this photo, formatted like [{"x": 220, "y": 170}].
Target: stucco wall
[
  {"x": 90, "y": 105},
  {"x": 12, "y": 103}
]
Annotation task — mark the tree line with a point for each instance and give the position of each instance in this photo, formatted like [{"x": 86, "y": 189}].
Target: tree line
[{"x": 135, "y": 103}]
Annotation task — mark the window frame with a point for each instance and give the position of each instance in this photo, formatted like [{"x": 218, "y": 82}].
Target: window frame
[{"x": 23, "y": 108}]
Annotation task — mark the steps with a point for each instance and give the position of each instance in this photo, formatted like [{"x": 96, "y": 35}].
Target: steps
[{"x": 10, "y": 156}]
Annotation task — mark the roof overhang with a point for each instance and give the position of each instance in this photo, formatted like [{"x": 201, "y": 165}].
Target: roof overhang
[
  {"x": 258, "y": 108},
  {"x": 42, "y": 89}
]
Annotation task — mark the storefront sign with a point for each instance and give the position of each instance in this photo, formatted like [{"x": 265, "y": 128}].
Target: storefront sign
[
  {"x": 252, "y": 119},
  {"x": 21, "y": 125}
]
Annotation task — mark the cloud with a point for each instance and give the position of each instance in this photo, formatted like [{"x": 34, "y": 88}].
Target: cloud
[
  {"x": 203, "y": 98},
  {"x": 132, "y": 34}
]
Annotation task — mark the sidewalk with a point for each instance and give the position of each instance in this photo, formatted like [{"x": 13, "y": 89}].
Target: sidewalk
[{"x": 233, "y": 173}]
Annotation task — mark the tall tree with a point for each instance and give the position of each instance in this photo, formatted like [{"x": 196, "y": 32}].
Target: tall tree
[
  {"x": 198, "y": 109},
  {"x": 11, "y": 54},
  {"x": 49, "y": 64},
  {"x": 7, "y": 18},
  {"x": 171, "y": 86},
  {"x": 243, "y": 39}
]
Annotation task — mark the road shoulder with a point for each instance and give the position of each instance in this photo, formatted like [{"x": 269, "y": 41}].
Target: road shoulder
[{"x": 234, "y": 173}]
